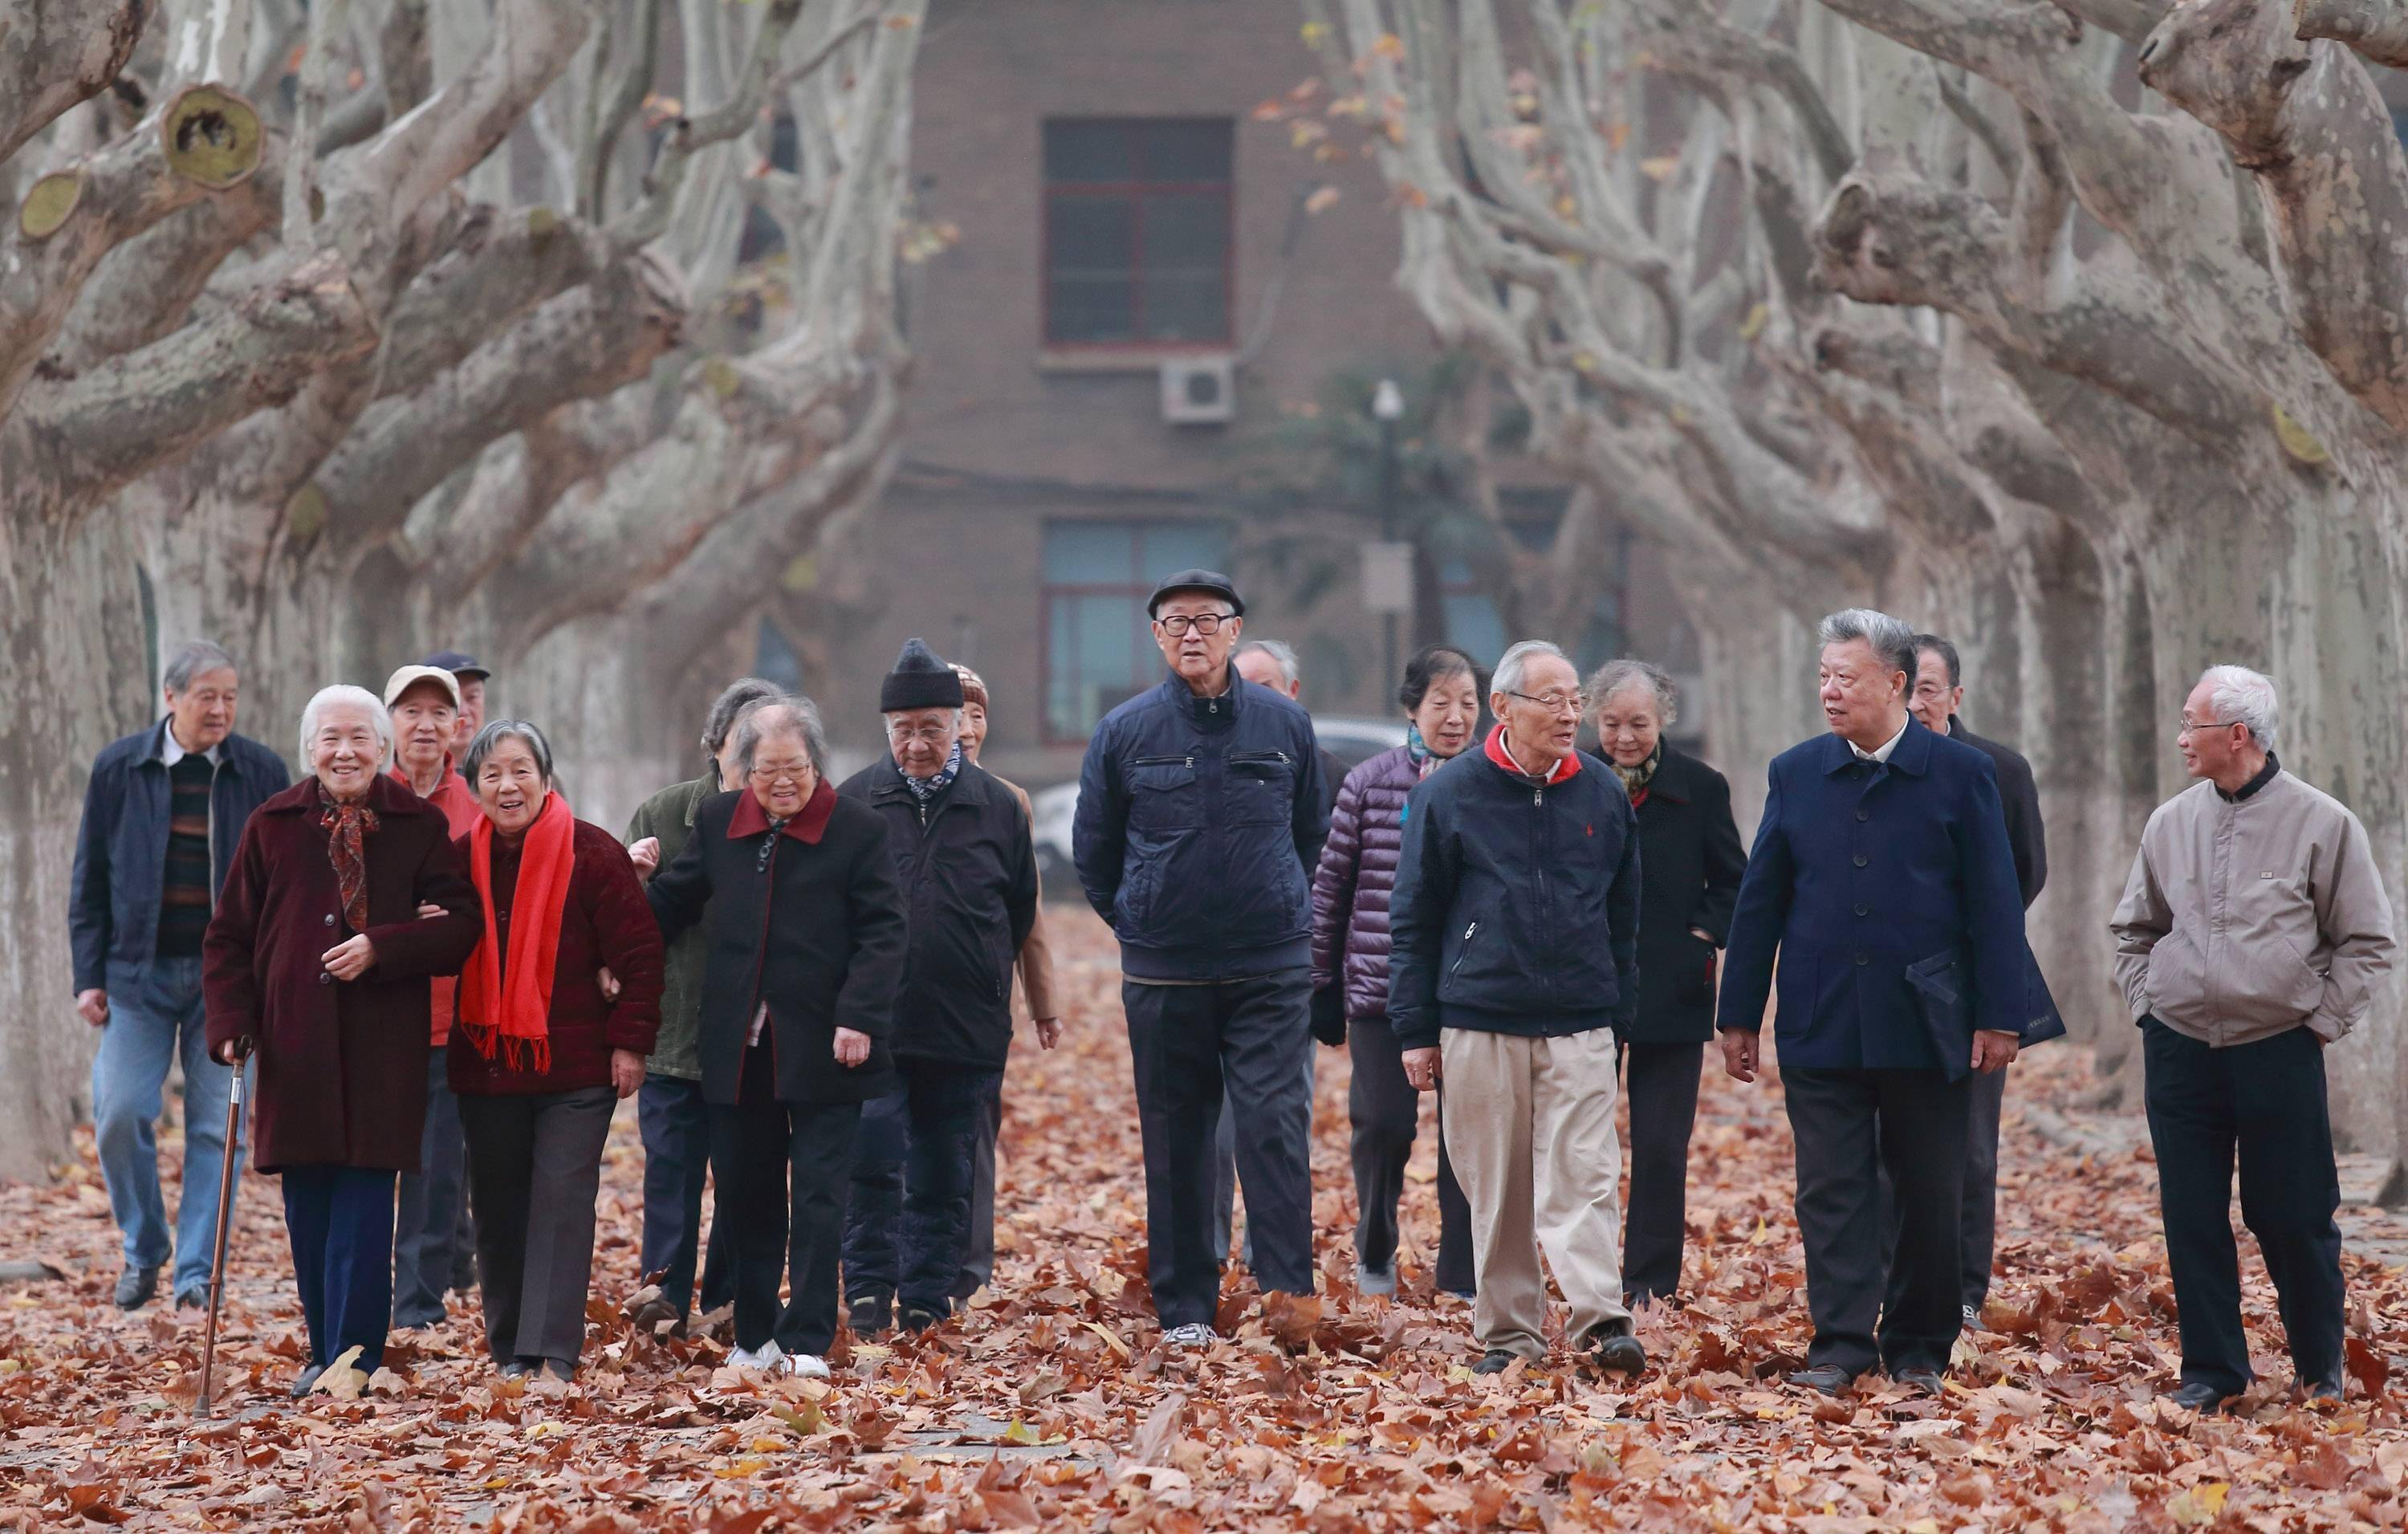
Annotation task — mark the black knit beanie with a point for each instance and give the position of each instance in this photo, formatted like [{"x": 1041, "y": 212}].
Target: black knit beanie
[{"x": 919, "y": 680}]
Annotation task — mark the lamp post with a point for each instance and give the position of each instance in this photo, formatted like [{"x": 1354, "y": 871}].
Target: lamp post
[{"x": 1387, "y": 409}]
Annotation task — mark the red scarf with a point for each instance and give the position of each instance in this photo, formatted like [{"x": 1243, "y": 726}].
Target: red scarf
[
  {"x": 517, "y": 1012},
  {"x": 348, "y": 824}
]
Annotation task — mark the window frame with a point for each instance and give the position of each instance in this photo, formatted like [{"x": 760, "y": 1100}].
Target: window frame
[{"x": 1136, "y": 192}]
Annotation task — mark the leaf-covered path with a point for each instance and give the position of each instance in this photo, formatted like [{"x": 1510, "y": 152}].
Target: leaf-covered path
[{"x": 1052, "y": 1403}]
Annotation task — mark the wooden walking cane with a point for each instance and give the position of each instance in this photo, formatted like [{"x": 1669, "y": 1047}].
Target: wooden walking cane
[{"x": 226, "y": 1209}]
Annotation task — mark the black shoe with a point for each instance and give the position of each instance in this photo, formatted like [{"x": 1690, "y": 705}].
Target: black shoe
[
  {"x": 916, "y": 1319},
  {"x": 308, "y": 1380},
  {"x": 1618, "y": 1350},
  {"x": 559, "y": 1369},
  {"x": 1495, "y": 1361},
  {"x": 137, "y": 1286},
  {"x": 871, "y": 1314},
  {"x": 193, "y": 1297},
  {"x": 518, "y": 1368},
  {"x": 652, "y": 1314},
  {"x": 1921, "y": 1377},
  {"x": 2325, "y": 1390},
  {"x": 2199, "y": 1396},
  {"x": 1830, "y": 1378}
]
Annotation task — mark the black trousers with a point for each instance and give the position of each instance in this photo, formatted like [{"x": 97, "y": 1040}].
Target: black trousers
[
  {"x": 1850, "y": 1126},
  {"x": 536, "y": 1162},
  {"x": 907, "y": 1227},
  {"x": 1977, "y": 1220},
  {"x": 978, "y": 1255},
  {"x": 676, "y": 1127},
  {"x": 1185, "y": 1042},
  {"x": 757, "y": 1143},
  {"x": 2264, "y": 1102},
  {"x": 1386, "y": 1110},
  {"x": 1660, "y": 1083},
  {"x": 426, "y": 1218}
]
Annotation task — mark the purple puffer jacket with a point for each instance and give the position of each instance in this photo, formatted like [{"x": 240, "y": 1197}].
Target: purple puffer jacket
[{"x": 1356, "y": 875}]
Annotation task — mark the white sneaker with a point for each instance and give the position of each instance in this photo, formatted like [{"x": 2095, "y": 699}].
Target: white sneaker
[
  {"x": 1376, "y": 1280},
  {"x": 765, "y": 1357},
  {"x": 809, "y": 1366},
  {"x": 1193, "y": 1335},
  {"x": 1973, "y": 1319}
]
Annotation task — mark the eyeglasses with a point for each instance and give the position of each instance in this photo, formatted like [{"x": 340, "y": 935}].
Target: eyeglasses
[
  {"x": 2186, "y": 725},
  {"x": 790, "y": 772},
  {"x": 934, "y": 734},
  {"x": 1554, "y": 703},
  {"x": 1177, "y": 624}
]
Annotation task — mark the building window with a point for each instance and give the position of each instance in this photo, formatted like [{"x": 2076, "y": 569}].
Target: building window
[
  {"x": 1098, "y": 648},
  {"x": 1137, "y": 230}
]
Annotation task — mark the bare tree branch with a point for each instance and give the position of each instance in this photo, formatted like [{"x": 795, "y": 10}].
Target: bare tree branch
[
  {"x": 2377, "y": 29},
  {"x": 54, "y": 53}
]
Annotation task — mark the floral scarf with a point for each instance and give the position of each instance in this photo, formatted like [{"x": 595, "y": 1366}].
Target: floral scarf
[
  {"x": 349, "y": 827},
  {"x": 1425, "y": 760},
  {"x": 1635, "y": 779},
  {"x": 924, "y": 789}
]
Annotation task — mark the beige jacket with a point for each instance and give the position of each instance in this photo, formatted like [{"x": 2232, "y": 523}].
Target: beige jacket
[
  {"x": 1036, "y": 953},
  {"x": 2245, "y": 918}
]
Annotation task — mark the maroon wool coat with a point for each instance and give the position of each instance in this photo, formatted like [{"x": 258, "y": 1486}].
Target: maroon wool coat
[
  {"x": 342, "y": 1064},
  {"x": 605, "y": 922}
]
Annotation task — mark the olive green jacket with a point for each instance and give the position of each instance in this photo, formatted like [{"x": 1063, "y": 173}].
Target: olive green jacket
[{"x": 669, "y": 815}]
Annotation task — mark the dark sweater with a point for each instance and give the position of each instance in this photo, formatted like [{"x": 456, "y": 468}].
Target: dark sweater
[{"x": 184, "y": 878}]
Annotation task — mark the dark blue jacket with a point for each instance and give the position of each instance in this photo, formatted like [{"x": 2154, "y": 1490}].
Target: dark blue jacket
[
  {"x": 1199, "y": 823},
  {"x": 1859, "y": 870},
  {"x": 120, "y": 859},
  {"x": 1516, "y": 905}
]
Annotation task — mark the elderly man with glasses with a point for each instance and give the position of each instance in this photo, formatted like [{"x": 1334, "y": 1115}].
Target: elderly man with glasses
[
  {"x": 2251, "y": 936},
  {"x": 1202, "y": 815},
  {"x": 1516, "y": 930}
]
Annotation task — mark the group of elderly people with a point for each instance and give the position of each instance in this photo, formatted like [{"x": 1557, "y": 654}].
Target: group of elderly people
[{"x": 810, "y": 987}]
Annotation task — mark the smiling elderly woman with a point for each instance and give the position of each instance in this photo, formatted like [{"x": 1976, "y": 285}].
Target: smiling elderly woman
[
  {"x": 548, "y": 1047},
  {"x": 320, "y": 957}
]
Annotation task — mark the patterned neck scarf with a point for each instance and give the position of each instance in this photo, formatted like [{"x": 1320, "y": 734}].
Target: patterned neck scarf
[
  {"x": 349, "y": 827},
  {"x": 1634, "y": 778},
  {"x": 1425, "y": 760},
  {"x": 924, "y": 789}
]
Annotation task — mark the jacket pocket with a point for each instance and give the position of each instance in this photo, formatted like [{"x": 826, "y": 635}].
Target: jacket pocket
[
  {"x": 1696, "y": 980},
  {"x": 1258, "y": 788},
  {"x": 1164, "y": 795}
]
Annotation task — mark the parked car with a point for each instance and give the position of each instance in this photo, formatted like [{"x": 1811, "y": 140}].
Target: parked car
[{"x": 1352, "y": 741}]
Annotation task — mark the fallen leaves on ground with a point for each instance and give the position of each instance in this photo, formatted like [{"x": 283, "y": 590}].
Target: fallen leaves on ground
[{"x": 1052, "y": 1400}]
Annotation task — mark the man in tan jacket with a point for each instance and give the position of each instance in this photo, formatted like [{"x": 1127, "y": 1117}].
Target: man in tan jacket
[{"x": 2252, "y": 933}]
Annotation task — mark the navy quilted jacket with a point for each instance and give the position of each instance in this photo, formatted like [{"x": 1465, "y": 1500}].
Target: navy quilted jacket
[{"x": 1358, "y": 870}]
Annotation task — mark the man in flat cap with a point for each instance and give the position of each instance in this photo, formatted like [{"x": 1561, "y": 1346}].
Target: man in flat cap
[{"x": 1202, "y": 815}]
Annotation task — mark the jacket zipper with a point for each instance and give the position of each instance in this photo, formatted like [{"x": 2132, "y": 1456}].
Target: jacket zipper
[
  {"x": 1464, "y": 953},
  {"x": 1187, "y": 761},
  {"x": 1539, "y": 861},
  {"x": 760, "y": 963}
]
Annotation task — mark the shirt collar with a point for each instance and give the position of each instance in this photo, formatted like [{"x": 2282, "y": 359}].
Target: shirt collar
[
  {"x": 2264, "y": 775},
  {"x": 751, "y": 819},
  {"x": 1498, "y": 755},
  {"x": 171, "y": 750},
  {"x": 1881, "y": 753}
]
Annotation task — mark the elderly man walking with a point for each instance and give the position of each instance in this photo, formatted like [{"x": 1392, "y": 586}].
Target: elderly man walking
[
  {"x": 162, "y": 816},
  {"x": 671, "y": 1112},
  {"x": 1882, "y": 879},
  {"x": 2250, "y": 937},
  {"x": 1514, "y": 926},
  {"x": 967, "y": 865},
  {"x": 1202, "y": 815}
]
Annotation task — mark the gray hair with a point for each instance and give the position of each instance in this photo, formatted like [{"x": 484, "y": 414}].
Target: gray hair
[
  {"x": 490, "y": 738},
  {"x": 193, "y": 658},
  {"x": 788, "y": 714},
  {"x": 325, "y": 698},
  {"x": 1616, "y": 675},
  {"x": 2241, "y": 696},
  {"x": 1892, "y": 638},
  {"x": 1517, "y": 660},
  {"x": 741, "y": 695},
  {"x": 1283, "y": 656}
]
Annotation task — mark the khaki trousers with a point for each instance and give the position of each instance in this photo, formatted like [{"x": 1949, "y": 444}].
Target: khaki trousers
[{"x": 1530, "y": 1126}]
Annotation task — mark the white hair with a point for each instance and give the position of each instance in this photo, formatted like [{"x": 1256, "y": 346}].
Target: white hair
[
  {"x": 1517, "y": 660},
  {"x": 2241, "y": 696},
  {"x": 1615, "y": 676},
  {"x": 326, "y": 698},
  {"x": 1892, "y": 638},
  {"x": 1283, "y": 656}
]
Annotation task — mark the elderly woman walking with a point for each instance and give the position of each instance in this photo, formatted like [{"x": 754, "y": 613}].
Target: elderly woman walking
[
  {"x": 796, "y": 891},
  {"x": 1440, "y": 696},
  {"x": 320, "y": 959},
  {"x": 546, "y": 1052},
  {"x": 1689, "y": 865}
]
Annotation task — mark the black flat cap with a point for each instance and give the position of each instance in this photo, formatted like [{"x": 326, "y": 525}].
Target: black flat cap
[
  {"x": 1203, "y": 580},
  {"x": 458, "y": 663},
  {"x": 919, "y": 680}
]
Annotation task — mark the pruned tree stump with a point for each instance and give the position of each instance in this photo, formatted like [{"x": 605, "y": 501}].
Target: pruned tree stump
[
  {"x": 211, "y": 137},
  {"x": 50, "y": 203}
]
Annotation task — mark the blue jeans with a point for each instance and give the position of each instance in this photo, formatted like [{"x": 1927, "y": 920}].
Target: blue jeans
[
  {"x": 907, "y": 1221},
  {"x": 340, "y": 1222},
  {"x": 154, "y": 1015},
  {"x": 675, "y": 1125},
  {"x": 427, "y": 1223}
]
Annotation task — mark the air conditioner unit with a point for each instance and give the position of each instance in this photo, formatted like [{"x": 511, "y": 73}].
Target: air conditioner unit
[{"x": 1200, "y": 391}]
